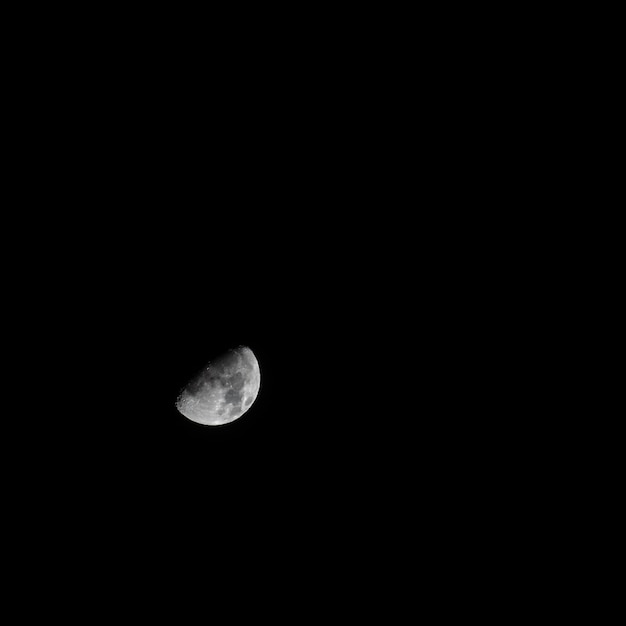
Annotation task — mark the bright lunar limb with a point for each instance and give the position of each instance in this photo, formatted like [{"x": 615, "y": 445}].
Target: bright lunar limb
[{"x": 224, "y": 390}]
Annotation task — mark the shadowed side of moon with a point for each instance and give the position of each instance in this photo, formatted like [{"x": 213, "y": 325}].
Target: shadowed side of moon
[{"x": 224, "y": 390}]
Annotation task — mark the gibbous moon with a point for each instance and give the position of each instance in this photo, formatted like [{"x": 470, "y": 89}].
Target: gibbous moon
[{"x": 224, "y": 390}]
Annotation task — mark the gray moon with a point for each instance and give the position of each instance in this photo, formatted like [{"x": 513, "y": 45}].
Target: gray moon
[{"x": 224, "y": 390}]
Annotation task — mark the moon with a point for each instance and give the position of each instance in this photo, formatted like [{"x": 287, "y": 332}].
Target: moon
[{"x": 223, "y": 390}]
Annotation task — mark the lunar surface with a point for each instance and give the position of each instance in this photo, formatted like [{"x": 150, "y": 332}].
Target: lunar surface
[{"x": 224, "y": 390}]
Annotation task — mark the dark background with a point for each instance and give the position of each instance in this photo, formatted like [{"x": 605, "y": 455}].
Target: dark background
[{"x": 337, "y": 211}]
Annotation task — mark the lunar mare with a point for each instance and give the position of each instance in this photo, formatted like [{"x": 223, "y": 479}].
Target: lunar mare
[{"x": 224, "y": 390}]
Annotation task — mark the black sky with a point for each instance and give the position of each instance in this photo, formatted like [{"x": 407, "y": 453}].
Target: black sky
[{"x": 311, "y": 215}]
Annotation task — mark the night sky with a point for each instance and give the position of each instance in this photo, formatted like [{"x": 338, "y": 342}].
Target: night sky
[
  {"x": 343, "y": 252},
  {"x": 360, "y": 433}
]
